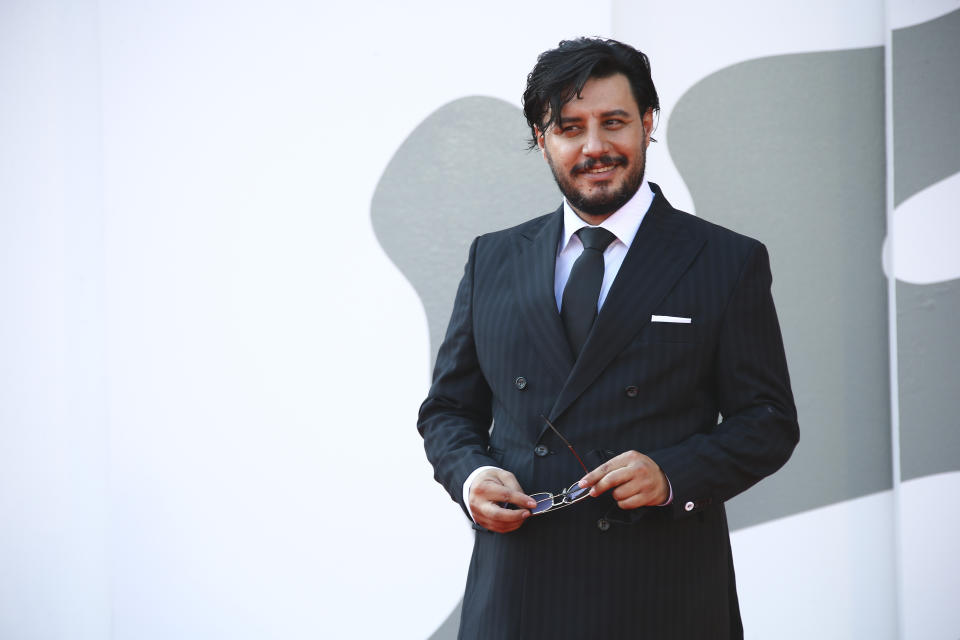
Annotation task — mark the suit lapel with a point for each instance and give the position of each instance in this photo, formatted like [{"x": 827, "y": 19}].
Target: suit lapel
[
  {"x": 533, "y": 286},
  {"x": 660, "y": 254}
]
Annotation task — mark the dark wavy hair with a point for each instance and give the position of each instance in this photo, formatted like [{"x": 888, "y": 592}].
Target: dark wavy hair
[{"x": 560, "y": 74}]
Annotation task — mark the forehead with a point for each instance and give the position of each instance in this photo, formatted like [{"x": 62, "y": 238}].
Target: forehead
[{"x": 602, "y": 95}]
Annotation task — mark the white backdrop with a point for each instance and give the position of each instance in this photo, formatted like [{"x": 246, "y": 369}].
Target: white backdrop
[{"x": 199, "y": 434}]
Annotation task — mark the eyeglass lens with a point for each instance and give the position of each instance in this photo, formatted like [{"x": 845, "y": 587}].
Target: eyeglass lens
[{"x": 546, "y": 501}]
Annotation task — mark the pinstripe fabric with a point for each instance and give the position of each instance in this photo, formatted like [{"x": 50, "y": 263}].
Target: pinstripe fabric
[{"x": 653, "y": 387}]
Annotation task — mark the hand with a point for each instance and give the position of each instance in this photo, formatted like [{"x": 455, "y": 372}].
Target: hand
[
  {"x": 488, "y": 491},
  {"x": 636, "y": 480}
]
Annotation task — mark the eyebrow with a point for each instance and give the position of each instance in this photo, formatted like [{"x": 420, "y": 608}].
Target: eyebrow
[{"x": 605, "y": 114}]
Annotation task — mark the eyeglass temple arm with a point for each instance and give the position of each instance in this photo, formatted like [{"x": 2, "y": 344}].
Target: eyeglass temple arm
[{"x": 569, "y": 446}]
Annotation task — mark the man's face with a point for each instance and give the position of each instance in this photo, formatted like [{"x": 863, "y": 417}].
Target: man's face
[{"x": 597, "y": 148}]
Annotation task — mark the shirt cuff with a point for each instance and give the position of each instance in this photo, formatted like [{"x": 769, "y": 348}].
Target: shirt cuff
[
  {"x": 469, "y": 481},
  {"x": 669, "y": 498}
]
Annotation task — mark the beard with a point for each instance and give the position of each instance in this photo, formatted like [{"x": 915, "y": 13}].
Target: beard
[{"x": 606, "y": 198}]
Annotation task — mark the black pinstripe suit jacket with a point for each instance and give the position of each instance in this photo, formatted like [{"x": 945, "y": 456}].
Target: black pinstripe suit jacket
[{"x": 592, "y": 570}]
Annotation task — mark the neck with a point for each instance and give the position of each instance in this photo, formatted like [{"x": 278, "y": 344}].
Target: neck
[{"x": 593, "y": 221}]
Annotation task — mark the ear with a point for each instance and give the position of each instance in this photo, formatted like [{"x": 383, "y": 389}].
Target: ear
[
  {"x": 540, "y": 141},
  {"x": 648, "y": 126}
]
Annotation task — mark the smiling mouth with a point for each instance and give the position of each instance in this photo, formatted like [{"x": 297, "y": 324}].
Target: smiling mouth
[
  {"x": 598, "y": 170},
  {"x": 598, "y": 166}
]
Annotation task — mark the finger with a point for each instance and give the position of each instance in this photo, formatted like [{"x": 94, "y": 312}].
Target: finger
[
  {"x": 636, "y": 501},
  {"x": 642, "y": 479},
  {"x": 497, "y": 527},
  {"x": 594, "y": 476},
  {"x": 493, "y": 482},
  {"x": 522, "y": 500},
  {"x": 500, "y": 527},
  {"x": 504, "y": 529},
  {"x": 649, "y": 489},
  {"x": 508, "y": 480},
  {"x": 496, "y": 518},
  {"x": 519, "y": 500},
  {"x": 632, "y": 487},
  {"x": 495, "y": 512},
  {"x": 490, "y": 491},
  {"x": 610, "y": 465},
  {"x": 613, "y": 479}
]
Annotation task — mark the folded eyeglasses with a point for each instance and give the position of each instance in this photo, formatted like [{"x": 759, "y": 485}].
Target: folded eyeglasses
[{"x": 547, "y": 502}]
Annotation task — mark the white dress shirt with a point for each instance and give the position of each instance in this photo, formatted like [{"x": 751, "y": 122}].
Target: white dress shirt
[{"x": 624, "y": 224}]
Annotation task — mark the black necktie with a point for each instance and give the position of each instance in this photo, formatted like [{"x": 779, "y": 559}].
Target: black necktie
[{"x": 579, "y": 306}]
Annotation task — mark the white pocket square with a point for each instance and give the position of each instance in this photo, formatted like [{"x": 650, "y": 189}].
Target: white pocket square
[{"x": 674, "y": 319}]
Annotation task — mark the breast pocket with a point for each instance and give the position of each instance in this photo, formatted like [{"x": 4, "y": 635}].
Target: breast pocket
[{"x": 672, "y": 332}]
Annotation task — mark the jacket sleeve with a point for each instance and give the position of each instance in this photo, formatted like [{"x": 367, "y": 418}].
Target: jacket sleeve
[
  {"x": 759, "y": 429},
  {"x": 455, "y": 418}
]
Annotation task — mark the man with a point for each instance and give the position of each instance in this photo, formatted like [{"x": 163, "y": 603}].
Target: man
[{"x": 675, "y": 394}]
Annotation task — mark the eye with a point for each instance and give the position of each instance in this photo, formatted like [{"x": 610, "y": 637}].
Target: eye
[
  {"x": 570, "y": 129},
  {"x": 613, "y": 123}
]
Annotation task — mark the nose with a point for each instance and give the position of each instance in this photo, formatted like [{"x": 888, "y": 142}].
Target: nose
[{"x": 595, "y": 143}]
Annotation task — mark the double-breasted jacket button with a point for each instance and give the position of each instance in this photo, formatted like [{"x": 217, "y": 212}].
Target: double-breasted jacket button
[
  {"x": 603, "y": 524},
  {"x": 688, "y": 507},
  {"x": 632, "y": 391},
  {"x": 541, "y": 450},
  {"x": 520, "y": 383}
]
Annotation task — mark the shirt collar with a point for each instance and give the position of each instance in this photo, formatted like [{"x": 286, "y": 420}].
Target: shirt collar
[{"x": 624, "y": 222}]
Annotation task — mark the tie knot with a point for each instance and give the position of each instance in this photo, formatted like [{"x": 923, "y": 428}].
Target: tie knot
[{"x": 595, "y": 238}]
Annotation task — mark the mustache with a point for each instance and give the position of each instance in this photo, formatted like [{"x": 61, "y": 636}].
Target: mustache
[{"x": 590, "y": 163}]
